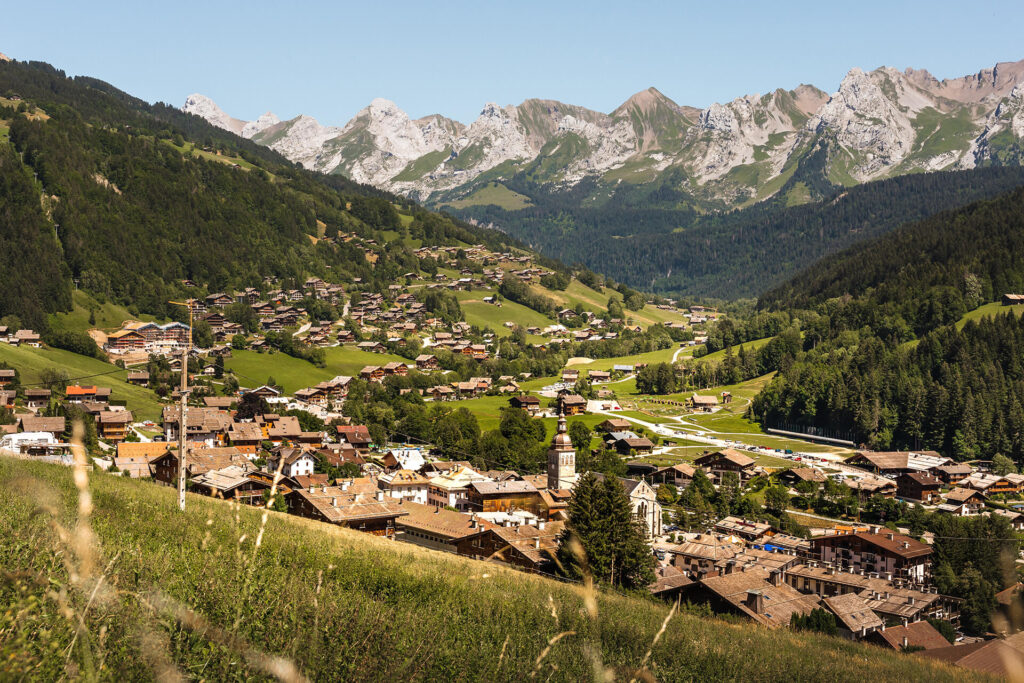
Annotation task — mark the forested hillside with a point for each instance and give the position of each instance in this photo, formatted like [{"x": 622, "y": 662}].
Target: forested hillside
[
  {"x": 883, "y": 362},
  {"x": 930, "y": 273},
  {"x": 739, "y": 253},
  {"x": 140, "y": 197}
]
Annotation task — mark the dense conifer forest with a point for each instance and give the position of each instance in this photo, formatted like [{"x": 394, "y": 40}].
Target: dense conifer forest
[{"x": 883, "y": 361}]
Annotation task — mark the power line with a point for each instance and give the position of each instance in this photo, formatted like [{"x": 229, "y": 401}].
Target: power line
[{"x": 75, "y": 379}]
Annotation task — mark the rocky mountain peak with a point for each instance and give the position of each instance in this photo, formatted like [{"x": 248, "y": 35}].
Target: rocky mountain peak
[
  {"x": 717, "y": 117},
  {"x": 203, "y": 106},
  {"x": 262, "y": 123},
  {"x": 728, "y": 151},
  {"x": 383, "y": 107}
]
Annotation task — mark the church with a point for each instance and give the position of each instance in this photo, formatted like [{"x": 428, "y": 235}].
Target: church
[{"x": 562, "y": 477}]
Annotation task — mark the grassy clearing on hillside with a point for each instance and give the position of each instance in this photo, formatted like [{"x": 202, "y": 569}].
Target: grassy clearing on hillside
[
  {"x": 191, "y": 150},
  {"x": 494, "y": 193},
  {"x": 253, "y": 368},
  {"x": 190, "y": 593},
  {"x": 592, "y": 300},
  {"x": 482, "y": 314},
  {"x": 109, "y": 316},
  {"x": 989, "y": 311},
  {"x": 31, "y": 362},
  {"x": 719, "y": 356}
]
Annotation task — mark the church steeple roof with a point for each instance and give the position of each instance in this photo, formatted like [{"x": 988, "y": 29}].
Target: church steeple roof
[{"x": 561, "y": 441}]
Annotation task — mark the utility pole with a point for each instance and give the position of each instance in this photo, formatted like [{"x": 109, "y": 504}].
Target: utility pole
[{"x": 183, "y": 409}]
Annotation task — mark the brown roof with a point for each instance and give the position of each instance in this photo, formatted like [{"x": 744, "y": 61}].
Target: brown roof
[
  {"x": 201, "y": 460},
  {"x": 42, "y": 424},
  {"x": 245, "y": 431},
  {"x": 918, "y": 634},
  {"x": 525, "y": 538},
  {"x": 539, "y": 481},
  {"x": 853, "y": 612},
  {"x": 497, "y": 488},
  {"x": 898, "y": 544},
  {"x": 961, "y": 495},
  {"x": 999, "y": 657},
  {"x": 668, "y": 578},
  {"x": 682, "y": 468},
  {"x": 779, "y": 602},
  {"x": 1009, "y": 595},
  {"x": 354, "y": 503},
  {"x": 148, "y": 450},
  {"x": 731, "y": 454},
  {"x": 958, "y": 468},
  {"x": 115, "y": 417},
  {"x": 201, "y": 419},
  {"x": 448, "y": 523},
  {"x": 286, "y": 427},
  {"x": 891, "y": 542},
  {"x": 924, "y": 479},
  {"x": 637, "y": 442},
  {"x": 807, "y": 474},
  {"x": 883, "y": 461}
]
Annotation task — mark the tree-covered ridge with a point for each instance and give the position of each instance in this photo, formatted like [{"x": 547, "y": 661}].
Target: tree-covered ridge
[
  {"x": 135, "y": 211},
  {"x": 930, "y": 272},
  {"x": 675, "y": 249},
  {"x": 960, "y": 392},
  {"x": 32, "y": 274}
]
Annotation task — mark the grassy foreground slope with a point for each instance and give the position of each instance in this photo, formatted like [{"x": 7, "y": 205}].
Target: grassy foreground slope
[{"x": 189, "y": 592}]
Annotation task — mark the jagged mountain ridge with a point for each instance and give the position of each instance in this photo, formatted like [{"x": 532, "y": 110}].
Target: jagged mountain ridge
[{"x": 879, "y": 123}]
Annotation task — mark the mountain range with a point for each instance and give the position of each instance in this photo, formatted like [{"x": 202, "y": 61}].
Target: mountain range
[{"x": 877, "y": 124}]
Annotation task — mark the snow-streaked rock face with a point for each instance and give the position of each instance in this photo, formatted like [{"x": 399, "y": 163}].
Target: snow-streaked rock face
[{"x": 882, "y": 122}]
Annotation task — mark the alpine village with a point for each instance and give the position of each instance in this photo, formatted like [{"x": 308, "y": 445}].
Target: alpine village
[{"x": 670, "y": 393}]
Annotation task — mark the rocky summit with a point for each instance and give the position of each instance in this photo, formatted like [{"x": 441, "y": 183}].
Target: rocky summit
[{"x": 877, "y": 124}]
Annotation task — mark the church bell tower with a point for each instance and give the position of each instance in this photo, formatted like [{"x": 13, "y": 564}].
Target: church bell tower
[{"x": 561, "y": 459}]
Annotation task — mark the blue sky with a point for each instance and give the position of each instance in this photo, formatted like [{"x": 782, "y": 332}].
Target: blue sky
[{"x": 329, "y": 59}]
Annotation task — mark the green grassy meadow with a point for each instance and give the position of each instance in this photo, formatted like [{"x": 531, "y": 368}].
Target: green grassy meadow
[
  {"x": 482, "y": 314},
  {"x": 108, "y": 316},
  {"x": 31, "y": 362},
  {"x": 494, "y": 193},
  {"x": 140, "y": 591},
  {"x": 989, "y": 311},
  {"x": 253, "y": 368}
]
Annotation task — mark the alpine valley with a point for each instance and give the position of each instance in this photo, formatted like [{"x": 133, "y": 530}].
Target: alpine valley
[{"x": 561, "y": 176}]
